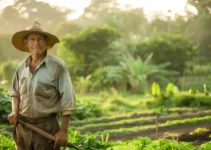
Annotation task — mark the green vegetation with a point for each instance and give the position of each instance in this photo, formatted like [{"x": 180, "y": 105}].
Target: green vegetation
[
  {"x": 86, "y": 110},
  {"x": 90, "y": 142},
  {"x": 124, "y": 67},
  {"x": 5, "y": 105},
  {"x": 6, "y": 143},
  {"x": 166, "y": 48}
]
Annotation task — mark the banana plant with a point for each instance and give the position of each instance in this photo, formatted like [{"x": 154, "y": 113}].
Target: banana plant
[{"x": 140, "y": 73}]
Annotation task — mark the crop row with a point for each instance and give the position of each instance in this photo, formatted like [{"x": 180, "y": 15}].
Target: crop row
[
  {"x": 150, "y": 113},
  {"x": 138, "y": 122},
  {"x": 145, "y": 130}
]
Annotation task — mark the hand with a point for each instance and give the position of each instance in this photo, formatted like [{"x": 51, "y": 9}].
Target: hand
[
  {"x": 61, "y": 138},
  {"x": 13, "y": 118}
]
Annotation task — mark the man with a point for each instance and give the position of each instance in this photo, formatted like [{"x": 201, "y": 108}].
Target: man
[{"x": 41, "y": 89}]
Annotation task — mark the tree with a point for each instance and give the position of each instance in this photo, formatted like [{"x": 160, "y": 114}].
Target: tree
[
  {"x": 199, "y": 28},
  {"x": 7, "y": 50},
  {"x": 97, "y": 8},
  {"x": 126, "y": 20},
  {"x": 67, "y": 28},
  {"x": 202, "y": 6},
  {"x": 16, "y": 17},
  {"x": 88, "y": 49},
  {"x": 168, "y": 48}
]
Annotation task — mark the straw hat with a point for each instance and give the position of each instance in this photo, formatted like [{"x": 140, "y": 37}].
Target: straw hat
[{"x": 18, "y": 37}]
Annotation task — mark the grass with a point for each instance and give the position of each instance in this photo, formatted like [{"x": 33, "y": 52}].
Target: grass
[{"x": 114, "y": 103}]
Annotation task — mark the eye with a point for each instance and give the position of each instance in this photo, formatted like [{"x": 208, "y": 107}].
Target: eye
[
  {"x": 31, "y": 39},
  {"x": 41, "y": 39}
]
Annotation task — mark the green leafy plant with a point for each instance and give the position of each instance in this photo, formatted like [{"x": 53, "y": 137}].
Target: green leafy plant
[
  {"x": 193, "y": 91},
  {"x": 5, "y": 104},
  {"x": 156, "y": 90},
  {"x": 199, "y": 131},
  {"x": 6, "y": 143},
  {"x": 83, "y": 84},
  {"x": 170, "y": 90},
  {"x": 139, "y": 74},
  {"x": 86, "y": 110},
  {"x": 107, "y": 77}
]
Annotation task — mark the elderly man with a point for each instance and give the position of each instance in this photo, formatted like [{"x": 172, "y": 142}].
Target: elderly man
[{"x": 41, "y": 89}]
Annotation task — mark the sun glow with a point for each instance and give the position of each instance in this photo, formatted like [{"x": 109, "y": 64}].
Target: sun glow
[{"x": 149, "y": 6}]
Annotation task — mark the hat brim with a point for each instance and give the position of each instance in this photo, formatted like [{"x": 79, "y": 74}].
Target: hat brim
[{"x": 18, "y": 39}]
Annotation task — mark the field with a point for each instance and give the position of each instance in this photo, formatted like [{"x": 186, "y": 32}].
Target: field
[
  {"x": 127, "y": 123},
  {"x": 176, "y": 123}
]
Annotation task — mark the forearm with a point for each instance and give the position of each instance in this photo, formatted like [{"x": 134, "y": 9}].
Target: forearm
[
  {"x": 15, "y": 104},
  {"x": 65, "y": 122}
]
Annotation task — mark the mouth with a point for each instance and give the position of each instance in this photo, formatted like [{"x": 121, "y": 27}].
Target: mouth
[{"x": 37, "y": 47}]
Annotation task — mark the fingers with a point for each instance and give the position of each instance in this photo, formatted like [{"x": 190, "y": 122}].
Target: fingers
[
  {"x": 13, "y": 119},
  {"x": 9, "y": 118},
  {"x": 65, "y": 145},
  {"x": 61, "y": 139},
  {"x": 59, "y": 142},
  {"x": 56, "y": 144}
]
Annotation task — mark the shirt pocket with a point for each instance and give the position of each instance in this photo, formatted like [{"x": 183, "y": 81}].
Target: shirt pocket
[
  {"x": 44, "y": 90},
  {"x": 23, "y": 86}
]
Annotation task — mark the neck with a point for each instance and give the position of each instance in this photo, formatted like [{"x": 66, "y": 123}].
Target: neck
[{"x": 36, "y": 59}]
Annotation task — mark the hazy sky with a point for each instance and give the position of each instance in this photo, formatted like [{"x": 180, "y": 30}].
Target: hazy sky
[{"x": 176, "y": 6}]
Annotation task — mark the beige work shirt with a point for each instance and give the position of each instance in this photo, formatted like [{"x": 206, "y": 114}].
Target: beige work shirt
[{"x": 48, "y": 90}]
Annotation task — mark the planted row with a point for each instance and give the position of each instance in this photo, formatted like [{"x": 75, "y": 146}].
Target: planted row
[
  {"x": 133, "y": 115},
  {"x": 139, "y": 122},
  {"x": 146, "y": 130}
]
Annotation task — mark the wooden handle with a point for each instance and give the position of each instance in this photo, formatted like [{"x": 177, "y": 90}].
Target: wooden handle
[{"x": 46, "y": 134}]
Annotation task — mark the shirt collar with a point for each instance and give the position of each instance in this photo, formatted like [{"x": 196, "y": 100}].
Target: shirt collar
[{"x": 43, "y": 62}]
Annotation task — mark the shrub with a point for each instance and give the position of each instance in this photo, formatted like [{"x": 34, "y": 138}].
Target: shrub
[
  {"x": 168, "y": 48},
  {"x": 86, "y": 110},
  {"x": 88, "y": 49}
]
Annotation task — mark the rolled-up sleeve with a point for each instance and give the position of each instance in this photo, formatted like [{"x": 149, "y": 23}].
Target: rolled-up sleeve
[
  {"x": 15, "y": 85},
  {"x": 67, "y": 93}
]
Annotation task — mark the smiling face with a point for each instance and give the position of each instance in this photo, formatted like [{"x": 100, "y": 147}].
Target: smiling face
[{"x": 36, "y": 43}]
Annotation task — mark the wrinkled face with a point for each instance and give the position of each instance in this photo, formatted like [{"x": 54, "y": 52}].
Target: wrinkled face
[{"x": 36, "y": 43}]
